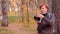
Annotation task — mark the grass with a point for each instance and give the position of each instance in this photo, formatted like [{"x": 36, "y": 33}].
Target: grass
[
  {"x": 5, "y": 31},
  {"x": 11, "y": 19}
]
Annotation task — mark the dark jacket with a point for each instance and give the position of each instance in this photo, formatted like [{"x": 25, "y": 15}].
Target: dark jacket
[{"x": 47, "y": 24}]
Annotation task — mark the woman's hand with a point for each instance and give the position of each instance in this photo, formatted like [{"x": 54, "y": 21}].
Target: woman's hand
[
  {"x": 37, "y": 21},
  {"x": 40, "y": 15}
]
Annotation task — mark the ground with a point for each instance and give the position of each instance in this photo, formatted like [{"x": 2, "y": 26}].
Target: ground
[{"x": 18, "y": 28}]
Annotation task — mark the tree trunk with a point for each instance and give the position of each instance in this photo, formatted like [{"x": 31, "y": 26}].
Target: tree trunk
[
  {"x": 4, "y": 12},
  {"x": 21, "y": 10},
  {"x": 27, "y": 4},
  {"x": 56, "y": 11}
]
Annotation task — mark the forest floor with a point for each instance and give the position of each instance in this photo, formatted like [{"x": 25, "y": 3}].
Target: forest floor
[{"x": 16, "y": 28}]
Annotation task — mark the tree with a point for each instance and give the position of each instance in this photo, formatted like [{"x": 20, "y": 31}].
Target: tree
[
  {"x": 4, "y": 12},
  {"x": 56, "y": 11},
  {"x": 21, "y": 10}
]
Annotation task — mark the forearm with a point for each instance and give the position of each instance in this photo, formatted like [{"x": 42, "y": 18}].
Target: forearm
[{"x": 47, "y": 20}]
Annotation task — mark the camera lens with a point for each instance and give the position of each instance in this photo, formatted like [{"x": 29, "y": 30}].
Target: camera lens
[{"x": 36, "y": 18}]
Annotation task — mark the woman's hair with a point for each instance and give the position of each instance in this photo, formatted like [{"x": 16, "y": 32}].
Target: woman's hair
[{"x": 46, "y": 5}]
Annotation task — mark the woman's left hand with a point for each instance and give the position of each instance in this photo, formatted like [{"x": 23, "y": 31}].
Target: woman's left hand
[{"x": 40, "y": 15}]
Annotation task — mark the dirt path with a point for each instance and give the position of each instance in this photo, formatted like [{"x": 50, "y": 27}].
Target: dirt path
[{"x": 18, "y": 29}]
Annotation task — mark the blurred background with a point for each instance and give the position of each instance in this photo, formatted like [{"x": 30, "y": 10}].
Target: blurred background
[{"x": 18, "y": 15}]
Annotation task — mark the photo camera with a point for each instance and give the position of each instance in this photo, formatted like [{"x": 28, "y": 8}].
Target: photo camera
[{"x": 36, "y": 18}]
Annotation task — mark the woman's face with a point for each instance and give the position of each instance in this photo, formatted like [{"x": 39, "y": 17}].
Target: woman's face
[{"x": 43, "y": 10}]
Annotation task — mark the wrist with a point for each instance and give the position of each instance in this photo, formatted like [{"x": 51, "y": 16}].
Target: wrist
[{"x": 43, "y": 16}]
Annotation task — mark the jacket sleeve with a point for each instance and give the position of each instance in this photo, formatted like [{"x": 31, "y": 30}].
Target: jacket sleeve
[{"x": 51, "y": 20}]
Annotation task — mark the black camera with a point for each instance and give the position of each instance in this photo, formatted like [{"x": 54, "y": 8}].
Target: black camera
[{"x": 36, "y": 18}]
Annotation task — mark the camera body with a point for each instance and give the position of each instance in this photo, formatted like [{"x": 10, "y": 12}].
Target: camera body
[{"x": 36, "y": 18}]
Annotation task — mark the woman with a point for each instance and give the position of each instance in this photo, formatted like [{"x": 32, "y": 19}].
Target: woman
[{"x": 45, "y": 20}]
